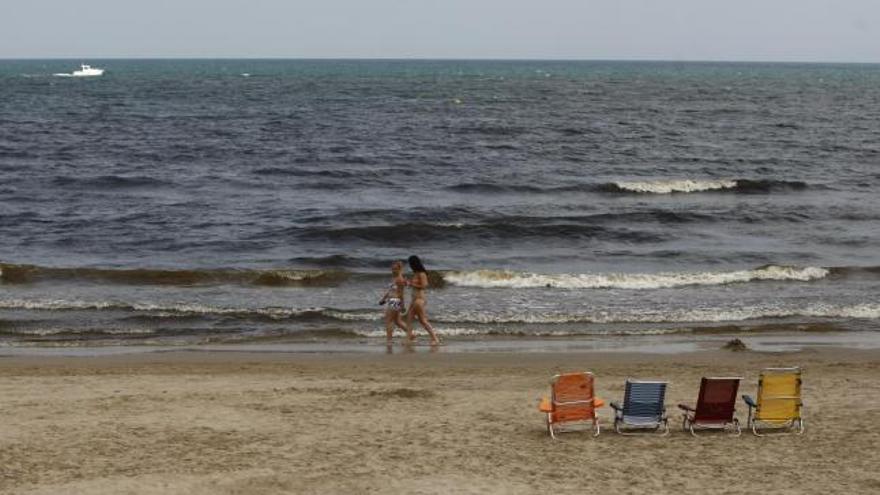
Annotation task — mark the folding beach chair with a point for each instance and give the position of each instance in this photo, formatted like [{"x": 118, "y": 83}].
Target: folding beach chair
[
  {"x": 571, "y": 404},
  {"x": 779, "y": 403},
  {"x": 716, "y": 406},
  {"x": 644, "y": 407}
]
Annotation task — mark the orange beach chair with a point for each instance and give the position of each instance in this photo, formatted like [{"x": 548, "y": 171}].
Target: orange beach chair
[{"x": 572, "y": 404}]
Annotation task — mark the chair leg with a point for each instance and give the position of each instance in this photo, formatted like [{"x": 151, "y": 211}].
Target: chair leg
[
  {"x": 750, "y": 424},
  {"x": 737, "y": 428},
  {"x": 596, "y": 427},
  {"x": 795, "y": 426},
  {"x": 755, "y": 430},
  {"x": 662, "y": 429},
  {"x": 550, "y": 427},
  {"x": 693, "y": 432},
  {"x": 665, "y": 427}
]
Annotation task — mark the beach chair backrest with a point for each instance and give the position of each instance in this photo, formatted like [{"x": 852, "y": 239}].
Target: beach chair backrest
[
  {"x": 644, "y": 401},
  {"x": 572, "y": 395},
  {"x": 717, "y": 400},
  {"x": 779, "y": 395}
]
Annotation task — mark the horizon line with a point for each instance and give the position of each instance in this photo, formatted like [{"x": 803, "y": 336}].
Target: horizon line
[{"x": 449, "y": 59}]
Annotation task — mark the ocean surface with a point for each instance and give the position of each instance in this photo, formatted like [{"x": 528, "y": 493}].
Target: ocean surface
[{"x": 192, "y": 202}]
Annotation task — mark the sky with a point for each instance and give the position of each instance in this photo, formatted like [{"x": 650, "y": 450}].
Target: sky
[{"x": 744, "y": 30}]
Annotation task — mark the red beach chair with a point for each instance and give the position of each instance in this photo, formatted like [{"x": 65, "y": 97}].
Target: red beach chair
[
  {"x": 571, "y": 404},
  {"x": 716, "y": 406}
]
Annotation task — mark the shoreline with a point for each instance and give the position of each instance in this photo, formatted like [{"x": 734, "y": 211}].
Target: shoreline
[
  {"x": 667, "y": 344},
  {"x": 321, "y": 360}
]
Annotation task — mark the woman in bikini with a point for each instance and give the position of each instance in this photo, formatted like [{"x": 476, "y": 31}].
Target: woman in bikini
[
  {"x": 419, "y": 284},
  {"x": 393, "y": 301}
]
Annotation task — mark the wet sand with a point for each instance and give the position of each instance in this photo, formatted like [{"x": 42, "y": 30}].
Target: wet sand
[{"x": 237, "y": 422}]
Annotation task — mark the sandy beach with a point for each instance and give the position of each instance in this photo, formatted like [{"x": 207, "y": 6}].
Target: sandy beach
[{"x": 233, "y": 422}]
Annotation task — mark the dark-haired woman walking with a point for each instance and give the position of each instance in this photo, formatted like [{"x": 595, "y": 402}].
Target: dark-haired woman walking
[{"x": 419, "y": 284}]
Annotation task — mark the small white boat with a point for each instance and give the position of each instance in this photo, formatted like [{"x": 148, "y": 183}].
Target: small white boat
[
  {"x": 87, "y": 71},
  {"x": 84, "y": 71}
]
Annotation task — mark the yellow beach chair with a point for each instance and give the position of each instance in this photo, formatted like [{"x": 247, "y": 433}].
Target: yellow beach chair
[
  {"x": 779, "y": 403},
  {"x": 571, "y": 403}
]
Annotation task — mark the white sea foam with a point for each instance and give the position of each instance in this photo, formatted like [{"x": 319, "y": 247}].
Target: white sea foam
[
  {"x": 54, "y": 304},
  {"x": 445, "y": 331},
  {"x": 675, "y": 186},
  {"x": 45, "y": 332},
  {"x": 860, "y": 311},
  {"x": 295, "y": 275},
  {"x": 493, "y": 320},
  {"x": 441, "y": 330},
  {"x": 182, "y": 308},
  {"x": 365, "y": 315},
  {"x": 520, "y": 280},
  {"x": 158, "y": 309},
  {"x": 660, "y": 316},
  {"x": 496, "y": 324},
  {"x": 271, "y": 312}
]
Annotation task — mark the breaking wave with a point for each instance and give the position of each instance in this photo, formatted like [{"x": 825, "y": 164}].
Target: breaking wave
[
  {"x": 696, "y": 315},
  {"x": 660, "y": 186},
  {"x": 698, "y": 185},
  {"x": 511, "y": 279},
  {"x": 174, "y": 311},
  {"x": 526, "y": 316},
  {"x": 335, "y": 274}
]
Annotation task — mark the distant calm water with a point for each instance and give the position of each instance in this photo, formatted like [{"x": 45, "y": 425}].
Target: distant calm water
[{"x": 214, "y": 201}]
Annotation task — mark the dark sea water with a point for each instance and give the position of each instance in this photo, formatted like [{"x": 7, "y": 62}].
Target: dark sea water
[{"x": 188, "y": 202}]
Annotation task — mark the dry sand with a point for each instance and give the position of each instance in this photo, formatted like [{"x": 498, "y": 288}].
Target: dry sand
[{"x": 420, "y": 423}]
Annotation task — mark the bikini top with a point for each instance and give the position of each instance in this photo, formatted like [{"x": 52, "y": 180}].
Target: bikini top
[{"x": 392, "y": 287}]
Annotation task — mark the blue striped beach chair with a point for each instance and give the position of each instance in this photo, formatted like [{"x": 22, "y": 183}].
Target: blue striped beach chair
[{"x": 644, "y": 408}]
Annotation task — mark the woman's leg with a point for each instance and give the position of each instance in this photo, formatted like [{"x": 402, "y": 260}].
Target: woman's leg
[
  {"x": 410, "y": 332},
  {"x": 398, "y": 320},
  {"x": 422, "y": 315},
  {"x": 389, "y": 325}
]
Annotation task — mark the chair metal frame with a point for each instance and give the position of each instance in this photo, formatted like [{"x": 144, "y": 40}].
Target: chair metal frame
[
  {"x": 688, "y": 422},
  {"x": 632, "y": 429},
  {"x": 793, "y": 425}
]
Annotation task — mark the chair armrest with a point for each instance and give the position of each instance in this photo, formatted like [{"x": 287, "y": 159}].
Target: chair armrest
[
  {"x": 545, "y": 406},
  {"x": 686, "y": 407},
  {"x": 597, "y": 402},
  {"x": 749, "y": 401},
  {"x": 616, "y": 405}
]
